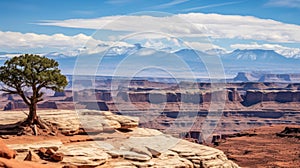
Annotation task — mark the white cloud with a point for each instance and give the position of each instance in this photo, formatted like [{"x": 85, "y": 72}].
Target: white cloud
[
  {"x": 285, "y": 51},
  {"x": 68, "y": 45},
  {"x": 193, "y": 25},
  {"x": 146, "y": 52},
  {"x": 16, "y": 40},
  {"x": 284, "y": 3}
]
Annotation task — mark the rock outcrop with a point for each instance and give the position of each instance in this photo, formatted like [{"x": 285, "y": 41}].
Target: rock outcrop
[
  {"x": 124, "y": 145},
  {"x": 5, "y": 152},
  {"x": 256, "y": 96}
]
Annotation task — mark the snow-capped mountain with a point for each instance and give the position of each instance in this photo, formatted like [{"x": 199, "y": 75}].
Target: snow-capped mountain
[
  {"x": 256, "y": 55},
  {"x": 216, "y": 51},
  {"x": 123, "y": 50},
  {"x": 233, "y": 62}
]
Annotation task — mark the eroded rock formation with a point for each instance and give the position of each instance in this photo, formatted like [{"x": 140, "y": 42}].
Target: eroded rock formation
[{"x": 124, "y": 145}]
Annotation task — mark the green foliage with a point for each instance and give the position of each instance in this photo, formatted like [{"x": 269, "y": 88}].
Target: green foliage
[{"x": 31, "y": 72}]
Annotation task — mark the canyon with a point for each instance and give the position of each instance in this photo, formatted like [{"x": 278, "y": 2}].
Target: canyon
[{"x": 183, "y": 107}]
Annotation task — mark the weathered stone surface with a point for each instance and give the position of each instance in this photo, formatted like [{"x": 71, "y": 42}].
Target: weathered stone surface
[
  {"x": 35, "y": 146},
  {"x": 137, "y": 148},
  {"x": 144, "y": 132},
  {"x": 143, "y": 151},
  {"x": 134, "y": 156},
  {"x": 172, "y": 162},
  {"x": 84, "y": 154},
  {"x": 125, "y": 121},
  {"x": 208, "y": 157},
  {"x": 5, "y": 152},
  {"x": 154, "y": 153}
]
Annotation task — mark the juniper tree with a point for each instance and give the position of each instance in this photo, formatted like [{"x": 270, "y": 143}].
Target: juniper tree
[{"x": 26, "y": 75}]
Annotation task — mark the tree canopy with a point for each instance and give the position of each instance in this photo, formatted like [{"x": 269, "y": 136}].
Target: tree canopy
[{"x": 27, "y": 74}]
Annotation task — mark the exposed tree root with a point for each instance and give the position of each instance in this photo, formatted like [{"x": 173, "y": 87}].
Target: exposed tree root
[{"x": 37, "y": 127}]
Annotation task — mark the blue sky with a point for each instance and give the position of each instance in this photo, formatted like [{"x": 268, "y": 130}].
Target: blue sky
[{"x": 44, "y": 24}]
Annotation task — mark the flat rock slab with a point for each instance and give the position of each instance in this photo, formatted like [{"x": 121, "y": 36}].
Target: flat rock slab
[{"x": 84, "y": 154}]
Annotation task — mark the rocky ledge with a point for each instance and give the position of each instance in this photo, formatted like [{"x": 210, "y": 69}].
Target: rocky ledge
[{"x": 109, "y": 140}]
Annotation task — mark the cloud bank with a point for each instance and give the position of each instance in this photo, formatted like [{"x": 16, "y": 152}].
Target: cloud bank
[
  {"x": 192, "y": 25},
  {"x": 68, "y": 45}
]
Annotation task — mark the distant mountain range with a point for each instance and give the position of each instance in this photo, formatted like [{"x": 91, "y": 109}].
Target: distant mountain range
[
  {"x": 266, "y": 77},
  {"x": 233, "y": 62}
]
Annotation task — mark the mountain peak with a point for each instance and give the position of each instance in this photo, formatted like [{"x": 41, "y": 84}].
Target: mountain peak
[{"x": 255, "y": 55}]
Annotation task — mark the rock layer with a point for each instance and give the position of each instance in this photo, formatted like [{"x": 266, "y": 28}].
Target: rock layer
[{"x": 135, "y": 147}]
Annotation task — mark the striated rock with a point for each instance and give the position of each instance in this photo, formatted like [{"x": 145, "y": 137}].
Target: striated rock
[
  {"x": 206, "y": 156},
  {"x": 284, "y": 96},
  {"x": 125, "y": 121},
  {"x": 31, "y": 156},
  {"x": 143, "y": 164},
  {"x": 174, "y": 161},
  {"x": 135, "y": 156},
  {"x": 5, "y": 152}
]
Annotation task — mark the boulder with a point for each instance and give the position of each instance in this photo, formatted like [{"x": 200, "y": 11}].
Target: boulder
[
  {"x": 42, "y": 151},
  {"x": 31, "y": 156},
  {"x": 50, "y": 151},
  {"x": 5, "y": 152},
  {"x": 57, "y": 157}
]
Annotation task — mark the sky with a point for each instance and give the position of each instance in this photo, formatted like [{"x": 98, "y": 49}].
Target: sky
[{"x": 69, "y": 26}]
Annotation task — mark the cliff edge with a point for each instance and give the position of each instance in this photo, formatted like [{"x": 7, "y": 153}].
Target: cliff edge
[{"x": 103, "y": 139}]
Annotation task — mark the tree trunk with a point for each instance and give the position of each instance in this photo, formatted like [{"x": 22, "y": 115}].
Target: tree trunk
[{"x": 32, "y": 117}]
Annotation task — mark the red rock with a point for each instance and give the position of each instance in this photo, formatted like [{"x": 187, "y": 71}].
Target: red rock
[
  {"x": 31, "y": 156},
  {"x": 42, "y": 151},
  {"x": 57, "y": 157},
  {"x": 50, "y": 151},
  {"x": 11, "y": 163},
  {"x": 5, "y": 152}
]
